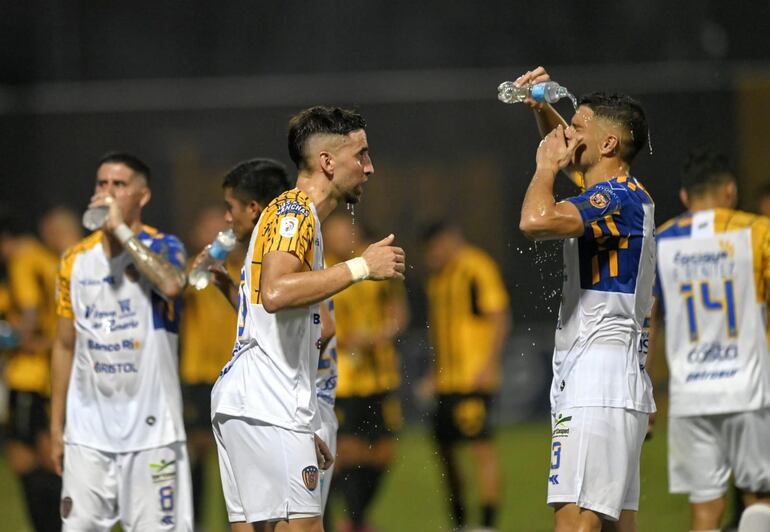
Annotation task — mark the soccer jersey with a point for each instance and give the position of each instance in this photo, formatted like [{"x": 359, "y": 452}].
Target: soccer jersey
[
  {"x": 361, "y": 310},
  {"x": 123, "y": 393},
  {"x": 600, "y": 343},
  {"x": 326, "y": 379},
  {"x": 206, "y": 332},
  {"x": 460, "y": 298},
  {"x": 713, "y": 266},
  {"x": 271, "y": 375},
  {"x": 31, "y": 281}
]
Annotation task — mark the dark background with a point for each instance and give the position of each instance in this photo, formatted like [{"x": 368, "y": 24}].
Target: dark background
[{"x": 194, "y": 87}]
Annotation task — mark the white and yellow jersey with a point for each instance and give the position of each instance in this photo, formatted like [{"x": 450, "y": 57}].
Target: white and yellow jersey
[
  {"x": 271, "y": 376},
  {"x": 713, "y": 267},
  {"x": 123, "y": 391}
]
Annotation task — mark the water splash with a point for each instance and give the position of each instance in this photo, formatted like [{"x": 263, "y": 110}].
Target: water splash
[{"x": 649, "y": 141}]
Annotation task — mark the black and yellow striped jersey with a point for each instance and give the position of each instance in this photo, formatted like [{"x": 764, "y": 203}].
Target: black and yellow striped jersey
[
  {"x": 31, "y": 284},
  {"x": 461, "y": 298},
  {"x": 207, "y": 331},
  {"x": 367, "y": 360}
]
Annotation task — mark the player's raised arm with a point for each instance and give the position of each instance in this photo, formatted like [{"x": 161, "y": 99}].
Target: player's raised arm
[
  {"x": 546, "y": 117},
  {"x": 542, "y": 218},
  {"x": 285, "y": 285}
]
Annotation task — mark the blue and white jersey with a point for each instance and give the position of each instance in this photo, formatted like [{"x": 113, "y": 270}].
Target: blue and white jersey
[
  {"x": 326, "y": 379},
  {"x": 713, "y": 273},
  {"x": 601, "y": 338}
]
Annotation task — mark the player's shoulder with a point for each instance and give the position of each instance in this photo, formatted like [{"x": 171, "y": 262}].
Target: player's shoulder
[
  {"x": 675, "y": 227},
  {"x": 291, "y": 202},
  {"x": 85, "y": 245},
  {"x": 473, "y": 256},
  {"x": 630, "y": 188},
  {"x": 735, "y": 220}
]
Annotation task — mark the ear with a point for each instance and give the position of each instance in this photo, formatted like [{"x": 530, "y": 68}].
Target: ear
[
  {"x": 684, "y": 198},
  {"x": 610, "y": 146},
  {"x": 327, "y": 163},
  {"x": 146, "y": 195},
  {"x": 255, "y": 209},
  {"x": 731, "y": 194}
]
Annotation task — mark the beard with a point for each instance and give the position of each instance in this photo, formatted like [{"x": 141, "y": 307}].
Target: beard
[{"x": 352, "y": 198}]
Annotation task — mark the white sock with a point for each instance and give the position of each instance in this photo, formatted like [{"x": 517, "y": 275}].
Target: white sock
[{"x": 755, "y": 518}]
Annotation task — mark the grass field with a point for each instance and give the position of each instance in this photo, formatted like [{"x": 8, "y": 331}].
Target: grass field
[{"x": 412, "y": 496}]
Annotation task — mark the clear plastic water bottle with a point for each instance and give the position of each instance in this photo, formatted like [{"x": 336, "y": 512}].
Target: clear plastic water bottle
[
  {"x": 216, "y": 253},
  {"x": 94, "y": 217},
  {"x": 546, "y": 92}
]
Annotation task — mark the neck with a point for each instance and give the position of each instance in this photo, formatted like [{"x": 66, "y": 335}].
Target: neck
[
  {"x": 706, "y": 202},
  {"x": 604, "y": 170},
  {"x": 113, "y": 247},
  {"x": 319, "y": 190}
]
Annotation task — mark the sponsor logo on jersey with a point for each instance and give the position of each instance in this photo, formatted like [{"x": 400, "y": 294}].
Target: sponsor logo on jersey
[
  {"x": 289, "y": 226},
  {"x": 714, "y": 352},
  {"x": 561, "y": 426},
  {"x": 150, "y": 420},
  {"x": 310, "y": 477},
  {"x": 114, "y": 347},
  {"x": 553, "y": 479},
  {"x": 65, "y": 507},
  {"x": 167, "y": 520},
  {"x": 711, "y": 375},
  {"x": 292, "y": 207},
  {"x": 119, "y": 367},
  {"x": 163, "y": 471},
  {"x": 599, "y": 200}
]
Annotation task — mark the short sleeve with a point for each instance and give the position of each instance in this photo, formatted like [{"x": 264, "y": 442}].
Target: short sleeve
[
  {"x": 170, "y": 248},
  {"x": 63, "y": 295},
  {"x": 765, "y": 254},
  {"x": 491, "y": 295},
  {"x": 598, "y": 202},
  {"x": 292, "y": 230}
]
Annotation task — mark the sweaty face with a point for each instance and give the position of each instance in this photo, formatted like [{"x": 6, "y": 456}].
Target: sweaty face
[
  {"x": 353, "y": 165},
  {"x": 127, "y": 187},
  {"x": 241, "y": 217}
]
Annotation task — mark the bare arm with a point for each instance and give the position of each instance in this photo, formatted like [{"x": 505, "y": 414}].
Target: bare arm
[
  {"x": 542, "y": 218},
  {"x": 502, "y": 327},
  {"x": 653, "y": 341},
  {"x": 284, "y": 285},
  {"x": 546, "y": 117},
  {"x": 166, "y": 277},
  {"x": 61, "y": 367}
]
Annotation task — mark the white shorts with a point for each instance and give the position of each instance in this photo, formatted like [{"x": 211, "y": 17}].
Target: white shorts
[
  {"x": 704, "y": 450},
  {"x": 145, "y": 490},
  {"x": 328, "y": 433},
  {"x": 268, "y": 473},
  {"x": 595, "y": 459}
]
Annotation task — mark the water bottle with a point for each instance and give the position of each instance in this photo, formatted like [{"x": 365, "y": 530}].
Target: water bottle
[
  {"x": 216, "y": 253},
  {"x": 9, "y": 339},
  {"x": 546, "y": 92},
  {"x": 94, "y": 217}
]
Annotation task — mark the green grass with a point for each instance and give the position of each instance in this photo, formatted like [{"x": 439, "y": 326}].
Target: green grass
[{"x": 412, "y": 497}]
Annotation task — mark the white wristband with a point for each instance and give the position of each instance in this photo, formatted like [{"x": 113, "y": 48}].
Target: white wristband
[
  {"x": 123, "y": 233},
  {"x": 359, "y": 269}
]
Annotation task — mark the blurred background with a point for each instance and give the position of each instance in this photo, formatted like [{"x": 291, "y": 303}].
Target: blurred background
[{"x": 194, "y": 87}]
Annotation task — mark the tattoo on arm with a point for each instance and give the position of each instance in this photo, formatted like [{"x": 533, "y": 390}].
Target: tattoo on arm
[{"x": 161, "y": 273}]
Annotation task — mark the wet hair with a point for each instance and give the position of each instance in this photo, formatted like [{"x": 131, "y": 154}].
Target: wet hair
[
  {"x": 131, "y": 161},
  {"x": 703, "y": 169},
  {"x": 624, "y": 111},
  {"x": 258, "y": 180},
  {"x": 319, "y": 120}
]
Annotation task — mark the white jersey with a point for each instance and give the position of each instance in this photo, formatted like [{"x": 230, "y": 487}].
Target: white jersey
[
  {"x": 601, "y": 344},
  {"x": 712, "y": 269},
  {"x": 124, "y": 392},
  {"x": 326, "y": 380},
  {"x": 271, "y": 377}
]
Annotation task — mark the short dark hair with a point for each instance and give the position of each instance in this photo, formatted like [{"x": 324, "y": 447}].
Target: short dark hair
[
  {"x": 625, "y": 111},
  {"x": 319, "y": 120},
  {"x": 435, "y": 228},
  {"x": 126, "y": 159},
  {"x": 258, "y": 180},
  {"x": 703, "y": 169}
]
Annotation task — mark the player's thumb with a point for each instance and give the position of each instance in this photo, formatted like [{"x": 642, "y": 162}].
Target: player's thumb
[{"x": 388, "y": 240}]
